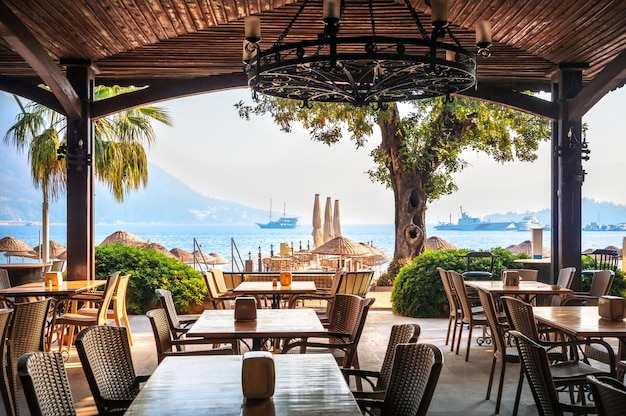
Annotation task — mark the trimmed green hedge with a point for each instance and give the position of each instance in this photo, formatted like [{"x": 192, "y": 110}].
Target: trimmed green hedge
[
  {"x": 417, "y": 290},
  {"x": 151, "y": 270}
]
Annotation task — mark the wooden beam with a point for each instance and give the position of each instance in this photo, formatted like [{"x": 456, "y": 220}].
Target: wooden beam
[
  {"x": 513, "y": 99},
  {"x": 31, "y": 92},
  {"x": 612, "y": 76},
  {"x": 23, "y": 42},
  {"x": 163, "y": 90}
]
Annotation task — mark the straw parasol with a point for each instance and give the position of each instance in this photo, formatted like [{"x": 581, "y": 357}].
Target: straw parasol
[
  {"x": 200, "y": 257},
  {"x": 55, "y": 249},
  {"x": 31, "y": 254},
  {"x": 377, "y": 256},
  {"x": 182, "y": 255},
  {"x": 217, "y": 259},
  {"x": 318, "y": 235},
  {"x": 125, "y": 238},
  {"x": 328, "y": 221},
  {"x": 438, "y": 243},
  {"x": 62, "y": 256},
  {"x": 342, "y": 246},
  {"x": 336, "y": 220},
  {"x": 160, "y": 248},
  {"x": 12, "y": 244},
  {"x": 526, "y": 247}
]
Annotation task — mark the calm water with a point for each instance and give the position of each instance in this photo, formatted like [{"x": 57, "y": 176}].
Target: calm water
[{"x": 249, "y": 238}]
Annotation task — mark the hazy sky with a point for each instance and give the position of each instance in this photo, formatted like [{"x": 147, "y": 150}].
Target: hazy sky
[{"x": 222, "y": 156}]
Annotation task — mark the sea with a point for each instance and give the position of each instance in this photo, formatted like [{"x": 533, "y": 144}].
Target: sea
[{"x": 247, "y": 241}]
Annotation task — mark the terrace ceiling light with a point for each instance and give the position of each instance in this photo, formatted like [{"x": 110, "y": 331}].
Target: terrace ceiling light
[{"x": 362, "y": 70}]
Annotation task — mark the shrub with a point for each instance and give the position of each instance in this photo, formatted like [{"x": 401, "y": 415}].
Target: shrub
[
  {"x": 618, "y": 288},
  {"x": 150, "y": 270},
  {"x": 418, "y": 291}
]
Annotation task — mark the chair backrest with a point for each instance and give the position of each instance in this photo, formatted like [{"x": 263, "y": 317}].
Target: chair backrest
[
  {"x": 497, "y": 331},
  {"x": 536, "y": 366},
  {"x": 476, "y": 262},
  {"x": 566, "y": 277},
  {"x": 5, "y": 282},
  {"x": 348, "y": 316},
  {"x": 218, "y": 276},
  {"x": 609, "y": 395},
  {"x": 604, "y": 258},
  {"x": 521, "y": 317},
  {"x": 601, "y": 282},
  {"x": 57, "y": 266},
  {"x": 5, "y": 319},
  {"x": 107, "y": 296},
  {"x": 161, "y": 331},
  {"x": 400, "y": 334},
  {"x": 104, "y": 353},
  {"x": 416, "y": 369},
  {"x": 334, "y": 287},
  {"x": 25, "y": 334},
  {"x": 120, "y": 293},
  {"x": 461, "y": 293},
  {"x": 447, "y": 287},
  {"x": 45, "y": 384},
  {"x": 167, "y": 303},
  {"x": 356, "y": 283},
  {"x": 212, "y": 290},
  {"x": 528, "y": 275}
]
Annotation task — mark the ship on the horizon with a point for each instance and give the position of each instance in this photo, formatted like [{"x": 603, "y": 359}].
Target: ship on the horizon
[
  {"x": 467, "y": 223},
  {"x": 528, "y": 222},
  {"x": 283, "y": 222}
]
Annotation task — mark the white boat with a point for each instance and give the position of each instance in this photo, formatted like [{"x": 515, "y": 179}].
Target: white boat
[{"x": 528, "y": 222}]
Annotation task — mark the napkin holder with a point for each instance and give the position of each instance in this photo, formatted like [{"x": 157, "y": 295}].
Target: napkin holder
[
  {"x": 612, "y": 307},
  {"x": 258, "y": 375},
  {"x": 285, "y": 278},
  {"x": 510, "y": 278},
  {"x": 245, "y": 308},
  {"x": 53, "y": 279}
]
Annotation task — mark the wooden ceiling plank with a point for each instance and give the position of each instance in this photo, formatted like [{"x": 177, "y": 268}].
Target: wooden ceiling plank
[
  {"x": 196, "y": 13},
  {"x": 611, "y": 77},
  {"x": 208, "y": 14},
  {"x": 146, "y": 19},
  {"x": 24, "y": 43},
  {"x": 162, "y": 18}
]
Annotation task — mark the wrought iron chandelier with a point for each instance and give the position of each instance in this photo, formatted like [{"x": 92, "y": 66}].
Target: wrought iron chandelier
[{"x": 363, "y": 70}]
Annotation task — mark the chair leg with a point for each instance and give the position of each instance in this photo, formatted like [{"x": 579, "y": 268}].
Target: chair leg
[
  {"x": 493, "y": 370},
  {"x": 518, "y": 395},
  {"x": 500, "y": 385},
  {"x": 456, "y": 324},
  {"x": 449, "y": 328},
  {"x": 458, "y": 341},
  {"x": 469, "y": 342}
]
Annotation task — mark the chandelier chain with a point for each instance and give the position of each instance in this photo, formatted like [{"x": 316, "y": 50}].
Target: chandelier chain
[
  {"x": 282, "y": 37},
  {"x": 415, "y": 16}
]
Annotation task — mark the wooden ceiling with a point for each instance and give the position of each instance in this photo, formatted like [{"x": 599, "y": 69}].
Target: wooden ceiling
[{"x": 194, "y": 46}]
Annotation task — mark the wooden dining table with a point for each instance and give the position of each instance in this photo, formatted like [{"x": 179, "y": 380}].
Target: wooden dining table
[
  {"x": 270, "y": 324},
  {"x": 211, "y": 385},
  {"x": 527, "y": 290},
  {"x": 67, "y": 288},
  {"x": 277, "y": 292}
]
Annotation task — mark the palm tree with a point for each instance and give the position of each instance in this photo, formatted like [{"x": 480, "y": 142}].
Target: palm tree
[{"x": 119, "y": 157}]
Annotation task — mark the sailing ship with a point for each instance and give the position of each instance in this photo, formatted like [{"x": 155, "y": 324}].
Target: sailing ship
[
  {"x": 283, "y": 222},
  {"x": 467, "y": 223}
]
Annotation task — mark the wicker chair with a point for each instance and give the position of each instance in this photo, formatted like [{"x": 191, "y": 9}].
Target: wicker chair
[
  {"x": 179, "y": 324},
  {"x": 346, "y": 323},
  {"x": 538, "y": 371},
  {"x": 609, "y": 395},
  {"x": 104, "y": 352},
  {"x": 218, "y": 301},
  {"x": 5, "y": 283},
  {"x": 600, "y": 286},
  {"x": 117, "y": 312},
  {"x": 65, "y": 318},
  {"x": 45, "y": 384},
  {"x": 566, "y": 372},
  {"x": 356, "y": 283},
  {"x": 468, "y": 317},
  {"x": 5, "y": 318},
  {"x": 26, "y": 333},
  {"x": 565, "y": 279},
  {"x": 416, "y": 369},
  {"x": 322, "y": 295},
  {"x": 379, "y": 380},
  {"x": 501, "y": 352},
  {"x": 453, "y": 304},
  {"x": 165, "y": 343}
]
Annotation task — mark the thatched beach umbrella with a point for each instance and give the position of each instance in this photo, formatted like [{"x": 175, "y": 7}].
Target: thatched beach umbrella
[
  {"x": 11, "y": 245},
  {"x": 160, "y": 248},
  {"x": 377, "y": 256},
  {"x": 438, "y": 243},
  {"x": 217, "y": 259},
  {"x": 125, "y": 238},
  {"x": 199, "y": 257},
  {"x": 342, "y": 246},
  {"x": 31, "y": 254},
  {"x": 318, "y": 235},
  {"x": 329, "y": 233},
  {"x": 526, "y": 247},
  {"x": 62, "y": 256},
  {"x": 55, "y": 249},
  {"x": 182, "y": 255}
]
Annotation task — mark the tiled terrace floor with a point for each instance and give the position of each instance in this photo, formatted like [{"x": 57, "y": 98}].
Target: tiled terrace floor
[{"x": 461, "y": 389}]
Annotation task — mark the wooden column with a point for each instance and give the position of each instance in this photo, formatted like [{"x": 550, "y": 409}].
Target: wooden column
[
  {"x": 80, "y": 179},
  {"x": 570, "y": 175}
]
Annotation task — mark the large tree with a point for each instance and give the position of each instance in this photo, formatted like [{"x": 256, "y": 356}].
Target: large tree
[
  {"x": 418, "y": 153},
  {"x": 119, "y": 158}
]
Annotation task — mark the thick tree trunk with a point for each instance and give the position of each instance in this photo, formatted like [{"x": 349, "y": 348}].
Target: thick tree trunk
[{"x": 408, "y": 190}]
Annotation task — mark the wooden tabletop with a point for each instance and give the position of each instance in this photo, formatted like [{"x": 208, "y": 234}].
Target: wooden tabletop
[
  {"x": 266, "y": 288},
  {"x": 68, "y": 288},
  {"x": 211, "y": 385},
  {"x": 581, "y": 321},
  {"x": 19, "y": 266},
  {"x": 270, "y": 323},
  {"x": 525, "y": 287}
]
